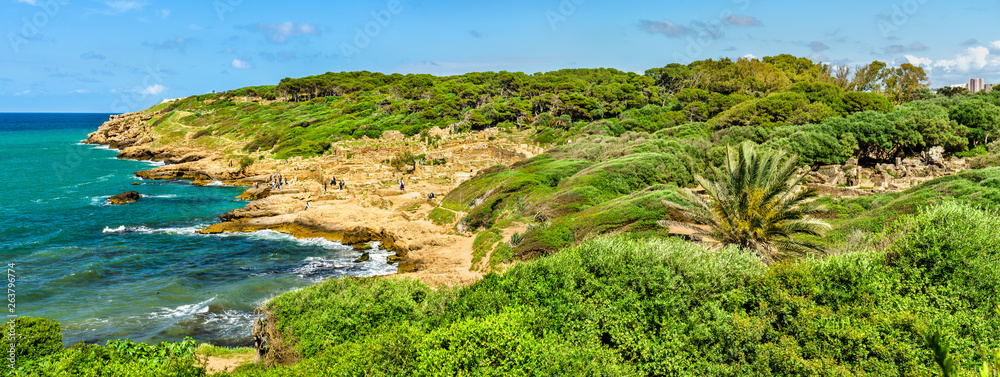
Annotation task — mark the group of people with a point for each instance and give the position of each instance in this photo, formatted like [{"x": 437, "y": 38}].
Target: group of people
[
  {"x": 277, "y": 181},
  {"x": 333, "y": 182}
]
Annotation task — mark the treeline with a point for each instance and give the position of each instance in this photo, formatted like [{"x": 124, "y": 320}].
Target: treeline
[{"x": 827, "y": 114}]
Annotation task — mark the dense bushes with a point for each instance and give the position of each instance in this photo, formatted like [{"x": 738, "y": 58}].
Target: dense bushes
[{"x": 666, "y": 307}]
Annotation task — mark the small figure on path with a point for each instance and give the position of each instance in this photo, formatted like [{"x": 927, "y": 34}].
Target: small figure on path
[{"x": 307, "y": 206}]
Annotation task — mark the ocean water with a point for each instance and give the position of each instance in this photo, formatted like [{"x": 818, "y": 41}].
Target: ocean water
[{"x": 138, "y": 271}]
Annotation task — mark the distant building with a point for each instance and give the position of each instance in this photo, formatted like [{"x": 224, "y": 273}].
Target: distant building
[
  {"x": 989, "y": 87},
  {"x": 975, "y": 85}
]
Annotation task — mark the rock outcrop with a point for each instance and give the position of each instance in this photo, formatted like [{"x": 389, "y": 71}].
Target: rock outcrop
[
  {"x": 123, "y": 131},
  {"x": 125, "y": 198},
  {"x": 854, "y": 180}
]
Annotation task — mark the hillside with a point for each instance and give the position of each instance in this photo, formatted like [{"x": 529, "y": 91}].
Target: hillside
[{"x": 544, "y": 249}]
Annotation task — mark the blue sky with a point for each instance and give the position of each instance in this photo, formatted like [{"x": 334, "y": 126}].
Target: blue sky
[{"x": 126, "y": 55}]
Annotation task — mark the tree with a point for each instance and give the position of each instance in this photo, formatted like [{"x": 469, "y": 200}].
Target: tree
[
  {"x": 754, "y": 204},
  {"x": 952, "y": 91},
  {"x": 868, "y": 78},
  {"x": 672, "y": 78},
  {"x": 904, "y": 84},
  {"x": 981, "y": 117}
]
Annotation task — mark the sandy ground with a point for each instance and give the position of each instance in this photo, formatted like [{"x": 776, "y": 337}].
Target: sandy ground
[{"x": 219, "y": 364}]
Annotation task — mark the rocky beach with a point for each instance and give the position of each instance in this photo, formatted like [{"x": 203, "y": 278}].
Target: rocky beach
[{"x": 370, "y": 207}]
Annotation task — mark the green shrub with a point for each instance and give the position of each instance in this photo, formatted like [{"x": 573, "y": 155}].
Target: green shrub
[{"x": 34, "y": 338}]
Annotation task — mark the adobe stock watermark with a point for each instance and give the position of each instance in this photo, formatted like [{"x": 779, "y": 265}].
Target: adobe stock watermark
[
  {"x": 565, "y": 10},
  {"x": 901, "y": 14},
  {"x": 31, "y": 26},
  {"x": 712, "y": 30},
  {"x": 128, "y": 101},
  {"x": 381, "y": 19},
  {"x": 223, "y": 7}
]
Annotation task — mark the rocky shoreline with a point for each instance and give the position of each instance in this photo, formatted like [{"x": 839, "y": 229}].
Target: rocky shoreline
[{"x": 370, "y": 208}]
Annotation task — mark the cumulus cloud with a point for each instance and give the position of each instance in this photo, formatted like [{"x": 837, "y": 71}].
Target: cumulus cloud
[
  {"x": 742, "y": 20},
  {"x": 969, "y": 60},
  {"x": 153, "y": 90},
  {"x": 818, "y": 46},
  {"x": 974, "y": 58},
  {"x": 995, "y": 45},
  {"x": 280, "y": 32},
  {"x": 665, "y": 27},
  {"x": 927, "y": 62},
  {"x": 242, "y": 64},
  {"x": 750, "y": 56}
]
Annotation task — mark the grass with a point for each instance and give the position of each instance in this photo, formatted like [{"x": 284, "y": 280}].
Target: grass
[
  {"x": 206, "y": 349},
  {"x": 482, "y": 245},
  {"x": 441, "y": 216}
]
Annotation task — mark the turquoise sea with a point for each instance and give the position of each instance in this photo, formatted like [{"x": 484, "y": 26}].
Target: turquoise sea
[{"x": 138, "y": 271}]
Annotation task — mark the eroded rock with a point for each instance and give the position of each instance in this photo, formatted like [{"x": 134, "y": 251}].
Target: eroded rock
[{"x": 125, "y": 198}]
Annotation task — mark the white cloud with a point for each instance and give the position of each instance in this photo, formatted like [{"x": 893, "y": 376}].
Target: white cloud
[
  {"x": 81, "y": 91},
  {"x": 974, "y": 58},
  {"x": 750, "y": 56},
  {"x": 918, "y": 61},
  {"x": 241, "y": 64},
  {"x": 153, "y": 90},
  {"x": 970, "y": 60},
  {"x": 24, "y": 93},
  {"x": 29, "y": 2},
  {"x": 995, "y": 45},
  {"x": 164, "y": 13}
]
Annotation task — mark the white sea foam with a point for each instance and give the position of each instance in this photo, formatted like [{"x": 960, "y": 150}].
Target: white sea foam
[
  {"x": 317, "y": 265},
  {"x": 170, "y": 196},
  {"x": 190, "y": 230},
  {"x": 183, "y": 310},
  {"x": 216, "y": 183},
  {"x": 271, "y": 235},
  {"x": 100, "y": 200}
]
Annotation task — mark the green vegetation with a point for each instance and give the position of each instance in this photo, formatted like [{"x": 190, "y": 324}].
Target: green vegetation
[
  {"x": 753, "y": 204},
  {"x": 441, "y": 216},
  {"x": 600, "y": 289},
  {"x": 635, "y": 306}
]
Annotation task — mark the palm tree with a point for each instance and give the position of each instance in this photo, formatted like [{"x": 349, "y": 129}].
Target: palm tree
[{"x": 754, "y": 204}]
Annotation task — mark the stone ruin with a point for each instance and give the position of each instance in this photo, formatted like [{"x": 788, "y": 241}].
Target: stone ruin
[{"x": 851, "y": 179}]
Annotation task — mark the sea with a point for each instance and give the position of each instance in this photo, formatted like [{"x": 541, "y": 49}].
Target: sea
[{"x": 138, "y": 271}]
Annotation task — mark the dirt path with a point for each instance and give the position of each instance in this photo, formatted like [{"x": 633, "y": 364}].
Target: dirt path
[{"x": 227, "y": 363}]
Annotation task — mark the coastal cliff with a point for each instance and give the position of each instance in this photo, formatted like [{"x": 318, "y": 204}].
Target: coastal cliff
[{"x": 370, "y": 207}]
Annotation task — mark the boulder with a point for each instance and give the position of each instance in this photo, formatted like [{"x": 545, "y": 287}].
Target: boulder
[
  {"x": 252, "y": 194},
  {"x": 125, "y": 198},
  {"x": 364, "y": 258}
]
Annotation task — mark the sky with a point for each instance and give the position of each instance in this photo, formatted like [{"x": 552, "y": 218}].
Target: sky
[{"x": 115, "y": 56}]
